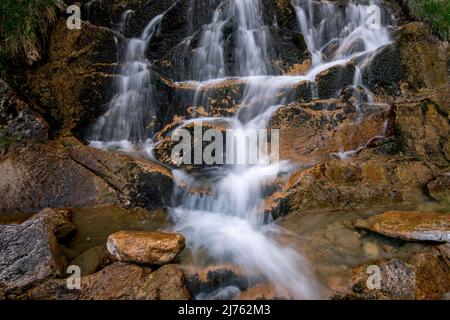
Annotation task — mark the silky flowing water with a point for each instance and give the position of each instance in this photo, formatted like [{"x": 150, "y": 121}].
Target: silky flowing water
[{"x": 227, "y": 222}]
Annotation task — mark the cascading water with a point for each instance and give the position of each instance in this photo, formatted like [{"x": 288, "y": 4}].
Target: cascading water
[
  {"x": 227, "y": 222},
  {"x": 130, "y": 110}
]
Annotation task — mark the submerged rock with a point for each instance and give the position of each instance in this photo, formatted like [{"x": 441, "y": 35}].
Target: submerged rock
[
  {"x": 29, "y": 252},
  {"x": 118, "y": 281},
  {"x": 410, "y": 225},
  {"x": 145, "y": 247},
  {"x": 425, "y": 275}
]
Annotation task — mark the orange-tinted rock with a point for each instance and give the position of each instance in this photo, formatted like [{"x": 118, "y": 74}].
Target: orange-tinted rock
[
  {"x": 29, "y": 252},
  {"x": 118, "y": 281},
  {"x": 145, "y": 247}
]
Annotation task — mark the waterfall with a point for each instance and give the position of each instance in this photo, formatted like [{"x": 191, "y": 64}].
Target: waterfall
[
  {"x": 228, "y": 221},
  {"x": 130, "y": 110}
]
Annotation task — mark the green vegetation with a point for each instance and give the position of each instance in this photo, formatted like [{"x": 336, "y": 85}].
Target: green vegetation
[
  {"x": 21, "y": 24},
  {"x": 435, "y": 12}
]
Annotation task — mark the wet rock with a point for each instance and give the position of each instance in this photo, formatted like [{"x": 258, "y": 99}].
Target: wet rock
[
  {"x": 91, "y": 260},
  {"x": 29, "y": 252},
  {"x": 173, "y": 29},
  {"x": 410, "y": 225},
  {"x": 423, "y": 57},
  {"x": 432, "y": 269},
  {"x": 74, "y": 83},
  {"x": 383, "y": 70},
  {"x": 310, "y": 132},
  {"x": 66, "y": 173},
  {"x": 359, "y": 183},
  {"x": 95, "y": 225},
  {"x": 40, "y": 176},
  {"x": 423, "y": 129},
  {"x": 396, "y": 282},
  {"x": 166, "y": 152},
  {"x": 332, "y": 80},
  {"x": 439, "y": 189},
  {"x": 425, "y": 275},
  {"x": 145, "y": 247},
  {"x": 209, "y": 282},
  {"x": 118, "y": 281},
  {"x": 143, "y": 12},
  {"x": 18, "y": 121},
  {"x": 106, "y": 13}
]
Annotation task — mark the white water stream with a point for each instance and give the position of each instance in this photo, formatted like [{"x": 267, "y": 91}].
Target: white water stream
[{"x": 227, "y": 223}]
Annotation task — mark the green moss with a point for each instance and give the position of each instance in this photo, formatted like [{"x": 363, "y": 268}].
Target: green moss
[
  {"x": 435, "y": 12},
  {"x": 21, "y": 24}
]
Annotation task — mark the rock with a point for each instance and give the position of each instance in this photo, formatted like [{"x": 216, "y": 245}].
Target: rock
[
  {"x": 439, "y": 188},
  {"x": 425, "y": 276},
  {"x": 76, "y": 79},
  {"x": 423, "y": 129},
  {"x": 332, "y": 80},
  {"x": 397, "y": 282},
  {"x": 361, "y": 182},
  {"x": 145, "y": 247},
  {"x": 18, "y": 121},
  {"x": 410, "y": 225},
  {"x": 118, "y": 281},
  {"x": 310, "y": 132},
  {"x": 423, "y": 57},
  {"x": 91, "y": 260},
  {"x": 29, "y": 252},
  {"x": 65, "y": 173},
  {"x": 94, "y": 225},
  {"x": 207, "y": 282},
  {"x": 432, "y": 269}
]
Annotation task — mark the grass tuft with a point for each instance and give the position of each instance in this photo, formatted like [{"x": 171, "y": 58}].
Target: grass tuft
[{"x": 434, "y": 12}]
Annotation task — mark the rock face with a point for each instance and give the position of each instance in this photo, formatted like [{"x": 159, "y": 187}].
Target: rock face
[
  {"x": 66, "y": 173},
  {"x": 423, "y": 57},
  {"x": 410, "y": 225},
  {"x": 29, "y": 252},
  {"x": 424, "y": 276},
  {"x": 74, "y": 83},
  {"x": 145, "y": 247},
  {"x": 118, "y": 281},
  {"x": 17, "y": 118}
]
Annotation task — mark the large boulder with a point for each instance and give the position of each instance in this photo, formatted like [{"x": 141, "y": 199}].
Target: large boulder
[
  {"x": 424, "y": 276},
  {"x": 410, "y": 225},
  {"x": 145, "y": 247},
  {"x": 65, "y": 173},
  {"x": 118, "y": 281},
  {"x": 29, "y": 252}
]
